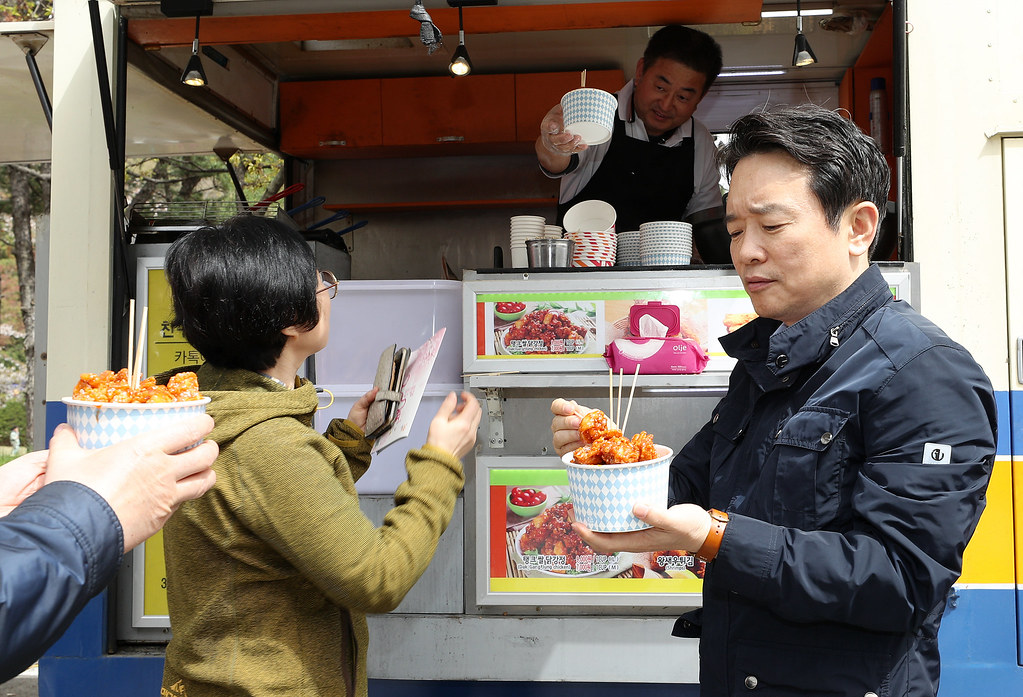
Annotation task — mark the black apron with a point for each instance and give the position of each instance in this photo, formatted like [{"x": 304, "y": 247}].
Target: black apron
[{"x": 642, "y": 180}]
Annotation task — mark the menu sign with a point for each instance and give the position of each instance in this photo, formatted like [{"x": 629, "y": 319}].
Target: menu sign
[
  {"x": 533, "y": 548},
  {"x": 540, "y": 331}
]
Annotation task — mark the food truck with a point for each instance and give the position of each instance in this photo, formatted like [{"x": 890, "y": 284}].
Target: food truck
[{"x": 437, "y": 165}]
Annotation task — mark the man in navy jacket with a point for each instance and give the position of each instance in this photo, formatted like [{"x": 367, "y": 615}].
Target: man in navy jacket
[
  {"x": 845, "y": 469},
  {"x": 71, "y": 515}
]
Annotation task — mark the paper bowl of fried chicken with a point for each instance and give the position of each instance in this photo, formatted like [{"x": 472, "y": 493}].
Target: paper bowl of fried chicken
[
  {"x": 108, "y": 407},
  {"x": 611, "y": 473}
]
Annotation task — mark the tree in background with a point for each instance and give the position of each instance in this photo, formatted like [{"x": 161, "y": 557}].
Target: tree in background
[
  {"x": 29, "y": 199},
  {"x": 26, "y": 10}
]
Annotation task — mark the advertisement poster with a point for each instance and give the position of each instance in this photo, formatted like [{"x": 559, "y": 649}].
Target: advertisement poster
[
  {"x": 533, "y": 548},
  {"x": 166, "y": 347},
  {"x": 556, "y": 326}
]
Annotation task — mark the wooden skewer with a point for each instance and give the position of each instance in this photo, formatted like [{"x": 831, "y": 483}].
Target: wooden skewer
[
  {"x": 628, "y": 408},
  {"x": 610, "y": 391},
  {"x": 131, "y": 338},
  {"x": 136, "y": 372},
  {"x": 583, "y": 78},
  {"x": 618, "y": 410}
]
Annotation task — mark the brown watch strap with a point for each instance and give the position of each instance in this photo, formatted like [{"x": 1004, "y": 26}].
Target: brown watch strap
[{"x": 710, "y": 547}]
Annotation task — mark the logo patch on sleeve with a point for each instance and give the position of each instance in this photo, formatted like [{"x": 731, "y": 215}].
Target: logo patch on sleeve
[{"x": 937, "y": 454}]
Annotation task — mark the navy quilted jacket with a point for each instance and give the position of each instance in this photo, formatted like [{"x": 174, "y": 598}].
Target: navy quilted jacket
[
  {"x": 58, "y": 549},
  {"x": 851, "y": 500}
]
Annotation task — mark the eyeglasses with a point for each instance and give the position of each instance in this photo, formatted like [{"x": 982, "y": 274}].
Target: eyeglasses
[{"x": 329, "y": 282}]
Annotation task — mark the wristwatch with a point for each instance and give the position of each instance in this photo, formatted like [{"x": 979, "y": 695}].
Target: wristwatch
[{"x": 709, "y": 550}]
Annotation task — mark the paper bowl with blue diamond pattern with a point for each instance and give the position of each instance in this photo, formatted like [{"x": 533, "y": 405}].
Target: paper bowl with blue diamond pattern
[
  {"x": 603, "y": 495},
  {"x": 590, "y": 114},
  {"x": 99, "y": 424}
]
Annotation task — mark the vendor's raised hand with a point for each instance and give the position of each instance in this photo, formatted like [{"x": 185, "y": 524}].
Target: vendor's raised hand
[
  {"x": 20, "y": 478},
  {"x": 565, "y": 425},
  {"x": 684, "y": 526},
  {"x": 454, "y": 427},
  {"x": 359, "y": 412},
  {"x": 555, "y": 138}
]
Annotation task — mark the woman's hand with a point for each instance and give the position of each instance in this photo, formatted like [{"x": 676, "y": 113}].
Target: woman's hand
[
  {"x": 454, "y": 427},
  {"x": 360, "y": 410},
  {"x": 20, "y": 478}
]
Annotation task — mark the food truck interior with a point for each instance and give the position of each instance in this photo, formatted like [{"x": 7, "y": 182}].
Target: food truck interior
[{"x": 374, "y": 123}]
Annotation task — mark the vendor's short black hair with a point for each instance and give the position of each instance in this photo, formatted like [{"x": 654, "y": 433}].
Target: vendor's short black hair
[
  {"x": 690, "y": 47},
  {"x": 844, "y": 165},
  {"x": 237, "y": 285}
]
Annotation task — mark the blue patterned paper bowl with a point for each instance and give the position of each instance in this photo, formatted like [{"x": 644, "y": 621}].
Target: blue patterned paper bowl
[
  {"x": 603, "y": 495},
  {"x": 590, "y": 114},
  {"x": 99, "y": 424}
]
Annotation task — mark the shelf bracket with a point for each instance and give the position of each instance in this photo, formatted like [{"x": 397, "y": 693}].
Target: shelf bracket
[{"x": 495, "y": 416}]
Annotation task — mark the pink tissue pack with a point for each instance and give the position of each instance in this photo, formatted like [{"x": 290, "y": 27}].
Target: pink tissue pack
[{"x": 656, "y": 355}]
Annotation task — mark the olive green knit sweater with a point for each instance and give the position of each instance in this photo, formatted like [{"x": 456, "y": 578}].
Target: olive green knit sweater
[{"x": 271, "y": 573}]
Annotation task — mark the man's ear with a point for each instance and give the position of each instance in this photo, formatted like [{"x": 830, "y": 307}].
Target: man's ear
[
  {"x": 639, "y": 69},
  {"x": 293, "y": 330},
  {"x": 861, "y": 219}
]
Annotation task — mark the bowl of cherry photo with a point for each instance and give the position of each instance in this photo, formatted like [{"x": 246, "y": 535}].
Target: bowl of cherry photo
[
  {"x": 509, "y": 311},
  {"x": 526, "y": 501}
]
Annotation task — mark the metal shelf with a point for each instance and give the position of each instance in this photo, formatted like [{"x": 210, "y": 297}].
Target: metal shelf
[{"x": 705, "y": 380}]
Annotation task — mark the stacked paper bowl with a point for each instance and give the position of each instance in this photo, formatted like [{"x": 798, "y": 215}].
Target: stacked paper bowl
[
  {"x": 524, "y": 227},
  {"x": 593, "y": 248},
  {"x": 628, "y": 249},
  {"x": 665, "y": 243}
]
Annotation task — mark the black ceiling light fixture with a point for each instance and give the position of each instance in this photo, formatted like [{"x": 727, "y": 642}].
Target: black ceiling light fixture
[
  {"x": 193, "y": 75},
  {"x": 460, "y": 64},
  {"x": 802, "y": 54}
]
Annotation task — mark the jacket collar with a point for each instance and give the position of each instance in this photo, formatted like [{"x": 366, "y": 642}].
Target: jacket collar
[{"x": 774, "y": 354}]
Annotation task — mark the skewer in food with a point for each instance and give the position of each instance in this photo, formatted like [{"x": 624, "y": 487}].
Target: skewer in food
[{"x": 606, "y": 445}]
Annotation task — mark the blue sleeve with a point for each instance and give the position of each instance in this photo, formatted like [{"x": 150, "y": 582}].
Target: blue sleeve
[{"x": 58, "y": 549}]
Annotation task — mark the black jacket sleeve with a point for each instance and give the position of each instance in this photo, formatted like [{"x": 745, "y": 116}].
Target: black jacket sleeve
[{"x": 58, "y": 549}]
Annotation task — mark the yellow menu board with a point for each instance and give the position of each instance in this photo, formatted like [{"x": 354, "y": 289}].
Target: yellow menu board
[{"x": 166, "y": 349}]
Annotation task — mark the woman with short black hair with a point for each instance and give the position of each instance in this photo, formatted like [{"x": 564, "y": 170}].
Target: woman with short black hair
[{"x": 271, "y": 574}]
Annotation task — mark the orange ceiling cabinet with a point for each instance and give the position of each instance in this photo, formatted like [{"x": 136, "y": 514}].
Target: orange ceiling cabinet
[
  {"x": 155, "y": 33},
  {"x": 439, "y": 110}
]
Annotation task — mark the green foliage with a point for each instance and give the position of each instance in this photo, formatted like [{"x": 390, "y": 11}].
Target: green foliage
[
  {"x": 198, "y": 177},
  {"x": 12, "y": 414},
  {"x": 26, "y": 10}
]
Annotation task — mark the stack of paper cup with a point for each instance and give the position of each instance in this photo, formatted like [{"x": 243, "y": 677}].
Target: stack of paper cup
[
  {"x": 552, "y": 232},
  {"x": 593, "y": 248},
  {"x": 665, "y": 243},
  {"x": 524, "y": 227},
  {"x": 628, "y": 249}
]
